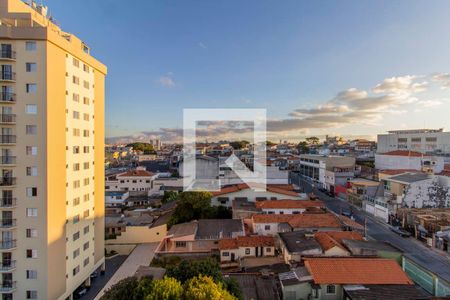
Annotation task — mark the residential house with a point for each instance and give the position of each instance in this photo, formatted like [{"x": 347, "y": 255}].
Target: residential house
[
  {"x": 405, "y": 159},
  {"x": 116, "y": 198},
  {"x": 199, "y": 237},
  {"x": 136, "y": 182},
  {"x": 232, "y": 249},
  {"x": 327, "y": 278},
  {"x": 227, "y": 194},
  {"x": 271, "y": 224},
  {"x": 331, "y": 242},
  {"x": 296, "y": 244},
  {"x": 287, "y": 206}
]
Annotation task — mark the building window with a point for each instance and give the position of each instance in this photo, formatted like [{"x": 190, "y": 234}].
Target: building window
[
  {"x": 32, "y": 295},
  {"x": 86, "y": 230},
  {"x": 86, "y": 165},
  {"x": 31, "y": 274},
  {"x": 86, "y": 246},
  {"x": 76, "y": 236},
  {"x": 267, "y": 227},
  {"x": 431, "y": 139},
  {"x": 247, "y": 251},
  {"x": 31, "y": 212},
  {"x": 76, "y": 166},
  {"x": 76, "y": 62},
  {"x": 86, "y": 149},
  {"x": 268, "y": 249},
  {"x": 86, "y": 84},
  {"x": 31, "y": 233},
  {"x": 30, "y": 46},
  {"x": 76, "y": 201},
  {"x": 76, "y": 97},
  {"x": 31, "y": 109},
  {"x": 225, "y": 253},
  {"x": 86, "y": 133},
  {"x": 86, "y": 197},
  {"x": 76, "y": 253},
  {"x": 32, "y": 171},
  {"x": 31, "y": 129},
  {"x": 86, "y": 262},
  {"x": 31, "y": 150},
  {"x": 31, "y": 67},
  {"x": 76, "y": 132},
  {"x": 86, "y": 100},
  {"x": 76, "y": 115},
  {"x": 31, "y": 191},
  {"x": 416, "y": 140},
  {"x": 76, "y": 184},
  {"x": 180, "y": 244},
  {"x": 86, "y": 213},
  {"x": 76, "y": 219},
  {"x": 331, "y": 289},
  {"x": 75, "y": 80},
  {"x": 86, "y": 68},
  {"x": 402, "y": 140},
  {"x": 76, "y": 270},
  {"x": 31, "y": 253},
  {"x": 31, "y": 88},
  {"x": 86, "y": 117},
  {"x": 76, "y": 149}
]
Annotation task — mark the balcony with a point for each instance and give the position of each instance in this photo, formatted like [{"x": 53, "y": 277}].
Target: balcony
[
  {"x": 7, "y": 139},
  {"x": 7, "y": 202},
  {"x": 8, "y": 181},
  {"x": 7, "y": 97},
  {"x": 7, "y": 286},
  {"x": 6, "y": 224},
  {"x": 7, "y": 55},
  {"x": 8, "y": 76},
  {"x": 7, "y": 160},
  {"x": 7, "y": 118},
  {"x": 7, "y": 265},
  {"x": 8, "y": 245}
]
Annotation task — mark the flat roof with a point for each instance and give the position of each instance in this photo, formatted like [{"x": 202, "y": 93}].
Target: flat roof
[{"x": 409, "y": 177}]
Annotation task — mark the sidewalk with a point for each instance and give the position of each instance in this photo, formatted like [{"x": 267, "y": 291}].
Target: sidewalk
[{"x": 142, "y": 255}]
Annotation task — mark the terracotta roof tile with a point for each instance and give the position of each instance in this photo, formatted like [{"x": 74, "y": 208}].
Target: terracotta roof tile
[
  {"x": 288, "y": 204},
  {"x": 247, "y": 241},
  {"x": 301, "y": 221},
  {"x": 284, "y": 189},
  {"x": 330, "y": 239},
  {"x": 356, "y": 271},
  {"x": 404, "y": 153}
]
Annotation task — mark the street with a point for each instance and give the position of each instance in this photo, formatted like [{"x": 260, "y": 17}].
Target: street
[{"x": 431, "y": 259}]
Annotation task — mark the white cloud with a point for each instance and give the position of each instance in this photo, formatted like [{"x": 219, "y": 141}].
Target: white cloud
[
  {"x": 166, "y": 81},
  {"x": 443, "y": 79},
  {"x": 201, "y": 45},
  {"x": 399, "y": 85},
  {"x": 430, "y": 103}
]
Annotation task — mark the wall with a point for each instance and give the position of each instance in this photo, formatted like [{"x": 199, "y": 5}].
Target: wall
[{"x": 139, "y": 235}]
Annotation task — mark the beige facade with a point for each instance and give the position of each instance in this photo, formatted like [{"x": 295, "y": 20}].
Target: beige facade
[{"x": 52, "y": 133}]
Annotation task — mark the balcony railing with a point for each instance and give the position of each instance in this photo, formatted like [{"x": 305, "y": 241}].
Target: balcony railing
[
  {"x": 8, "y": 54},
  {"x": 7, "y": 265},
  {"x": 8, "y": 76},
  {"x": 7, "y": 118},
  {"x": 7, "y": 160},
  {"x": 7, "y": 97},
  {"x": 7, "y": 223},
  {"x": 8, "y": 202},
  {"x": 8, "y": 181},
  {"x": 7, "y": 286},
  {"x": 7, "y": 139}
]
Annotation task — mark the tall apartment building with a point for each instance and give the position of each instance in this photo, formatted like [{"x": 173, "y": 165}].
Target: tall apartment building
[
  {"x": 52, "y": 154},
  {"x": 427, "y": 141}
]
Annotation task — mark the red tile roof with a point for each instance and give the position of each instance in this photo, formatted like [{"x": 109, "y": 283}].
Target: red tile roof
[
  {"x": 285, "y": 189},
  {"x": 330, "y": 239},
  {"x": 247, "y": 241},
  {"x": 356, "y": 271},
  {"x": 325, "y": 220},
  {"x": 403, "y": 153},
  {"x": 445, "y": 173},
  {"x": 288, "y": 204},
  {"x": 136, "y": 173}
]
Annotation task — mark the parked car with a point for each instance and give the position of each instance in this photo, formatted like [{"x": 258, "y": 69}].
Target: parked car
[
  {"x": 94, "y": 274},
  {"x": 400, "y": 232}
]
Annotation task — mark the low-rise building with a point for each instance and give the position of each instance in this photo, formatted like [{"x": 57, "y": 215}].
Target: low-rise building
[
  {"x": 287, "y": 206},
  {"x": 297, "y": 244},
  {"x": 332, "y": 244},
  {"x": 136, "y": 182},
  {"x": 233, "y": 249},
  {"x": 199, "y": 237},
  {"x": 403, "y": 159},
  {"x": 116, "y": 198}
]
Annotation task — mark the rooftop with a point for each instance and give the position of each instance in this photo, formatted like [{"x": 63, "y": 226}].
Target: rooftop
[
  {"x": 323, "y": 220},
  {"x": 257, "y": 287},
  {"x": 403, "y": 153},
  {"x": 247, "y": 241},
  {"x": 396, "y": 171},
  {"x": 267, "y": 204},
  {"x": 218, "y": 228},
  {"x": 384, "y": 291},
  {"x": 136, "y": 173},
  {"x": 297, "y": 242},
  {"x": 356, "y": 271},
  {"x": 183, "y": 229},
  {"x": 330, "y": 239},
  {"x": 284, "y": 189},
  {"x": 409, "y": 177}
]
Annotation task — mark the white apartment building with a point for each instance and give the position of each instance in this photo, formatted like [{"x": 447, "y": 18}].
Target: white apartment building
[
  {"x": 409, "y": 160},
  {"x": 136, "y": 182},
  {"x": 430, "y": 141}
]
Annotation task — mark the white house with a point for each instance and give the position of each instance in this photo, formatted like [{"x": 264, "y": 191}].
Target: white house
[
  {"x": 137, "y": 182},
  {"x": 232, "y": 249},
  {"x": 288, "y": 207},
  {"x": 402, "y": 159}
]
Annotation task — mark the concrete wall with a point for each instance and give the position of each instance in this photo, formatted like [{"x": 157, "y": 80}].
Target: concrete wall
[{"x": 139, "y": 235}]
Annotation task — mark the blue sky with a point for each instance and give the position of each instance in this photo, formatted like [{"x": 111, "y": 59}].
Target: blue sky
[{"x": 163, "y": 56}]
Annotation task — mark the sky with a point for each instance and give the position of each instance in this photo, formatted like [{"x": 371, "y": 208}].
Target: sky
[{"x": 351, "y": 68}]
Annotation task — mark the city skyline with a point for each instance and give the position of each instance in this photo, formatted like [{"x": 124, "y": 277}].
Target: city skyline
[{"x": 347, "y": 68}]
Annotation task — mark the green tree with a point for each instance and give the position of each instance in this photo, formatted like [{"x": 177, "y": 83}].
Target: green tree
[
  {"x": 303, "y": 147},
  {"x": 239, "y": 144},
  {"x": 204, "y": 288},
  {"x": 233, "y": 287},
  {"x": 121, "y": 290},
  {"x": 143, "y": 288},
  {"x": 191, "y": 205},
  {"x": 188, "y": 269},
  {"x": 313, "y": 140},
  {"x": 144, "y": 147},
  {"x": 165, "y": 289},
  {"x": 169, "y": 196}
]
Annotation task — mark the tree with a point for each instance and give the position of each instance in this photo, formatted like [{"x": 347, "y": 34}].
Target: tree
[
  {"x": 165, "y": 289},
  {"x": 169, "y": 196},
  {"x": 204, "y": 288},
  {"x": 313, "y": 140},
  {"x": 233, "y": 287},
  {"x": 270, "y": 144},
  {"x": 121, "y": 290},
  {"x": 191, "y": 205},
  {"x": 143, "y": 288},
  {"x": 188, "y": 269},
  {"x": 303, "y": 147},
  {"x": 144, "y": 147},
  {"x": 239, "y": 144}
]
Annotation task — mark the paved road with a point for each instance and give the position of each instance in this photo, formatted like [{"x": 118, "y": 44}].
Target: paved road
[
  {"x": 142, "y": 255},
  {"x": 98, "y": 283},
  {"x": 434, "y": 260}
]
